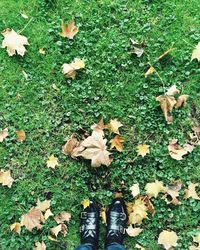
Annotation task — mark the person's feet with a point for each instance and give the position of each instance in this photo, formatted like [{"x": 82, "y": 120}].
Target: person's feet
[
  {"x": 89, "y": 226},
  {"x": 116, "y": 217}
]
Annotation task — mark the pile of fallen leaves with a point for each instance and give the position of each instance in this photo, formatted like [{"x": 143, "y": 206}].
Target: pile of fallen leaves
[
  {"x": 37, "y": 216},
  {"x": 94, "y": 147}
]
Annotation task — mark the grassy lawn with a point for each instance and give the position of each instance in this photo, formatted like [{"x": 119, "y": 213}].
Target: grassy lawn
[{"x": 111, "y": 86}]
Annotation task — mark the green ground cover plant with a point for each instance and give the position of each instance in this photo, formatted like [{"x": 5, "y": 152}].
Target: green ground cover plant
[{"x": 50, "y": 107}]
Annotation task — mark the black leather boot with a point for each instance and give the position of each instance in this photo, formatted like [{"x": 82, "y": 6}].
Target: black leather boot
[
  {"x": 116, "y": 217},
  {"x": 89, "y": 226}
]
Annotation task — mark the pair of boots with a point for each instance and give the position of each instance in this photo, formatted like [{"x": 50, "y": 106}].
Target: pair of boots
[{"x": 116, "y": 217}]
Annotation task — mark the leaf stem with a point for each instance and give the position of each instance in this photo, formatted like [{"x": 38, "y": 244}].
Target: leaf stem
[{"x": 31, "y": 19}]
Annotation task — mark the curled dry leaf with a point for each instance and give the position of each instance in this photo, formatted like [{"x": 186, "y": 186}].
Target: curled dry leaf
[
  {"x": 113, "y": 126},
  {"x": 47, "y": 214},
  {"x": 21, "y": 136},
  {"x": 3, "y": 134},
  {"x": 60, "y": 228},
  {"x": 16, "y": 227},
  {"x": 32, "y": 219},
  {"x": 138, "y": 48},
  {"x": 172, "y": 192},
  {"x": 43, "y": 205},
  {"x": 167, "y": 104},
  {"x": 96, "y": 150},
  {"x": 176, "y": 151},
  {"x": 116, "y": 142},
  {"x": 135, "y": 190},
  {"x": 196, "y": 53},
  {"x": 181, "y": 101},
  {"x": 40, "y": 246},
  {"x": 52, "y": 162},
  {"x": 62, "y": 217},
  {"x": 133, "y": 232},
  {"x": 69, "y": 70},
  {"x": 14, "y": 42},
  {"x": 168, "y": 239},
  {"x": 5, "y": 178},
  {"x": 72, "y": 147},
  {"x": 191, "y": 191},
  {"x": 69, "y": 30},
  {"x": 143, "y": 149},
  {"x": 149, "y": 204},
  {"x": 85, "y": 203},
  {"x": 150, "y": 71},
  {"x": 154, "y": 188}
]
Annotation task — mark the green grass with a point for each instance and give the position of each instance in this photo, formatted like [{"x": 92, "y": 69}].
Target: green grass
[{"x": 111, "y": 86}]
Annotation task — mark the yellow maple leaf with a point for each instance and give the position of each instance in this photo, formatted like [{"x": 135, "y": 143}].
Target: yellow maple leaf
[
  {"x": 43, "y": 205},
  {"x": 139, "y": 212},
  {"x": 113, "y": 126},
  {"x": 52, "y": 162},
  {"x": 85, "y": 203},
  {"x": 191, "y": 191},
  {"x": 16, "y": 227},
  {"x": 40, "y": 246},
  {"x": 154, "y": 188},
  {"x": 3, "y": 134},
  {"x": 196, "y": 52},
  {"x": 143, "y": 149},
  {"x": 168, "y": 239},
  {"x": 135, "y": 190},
  {"x": 69, "y": 30},
  {"x": 5, "y": 178},
  {"x": 14, "y": 42},
  {"x": 47, "y": 214}
]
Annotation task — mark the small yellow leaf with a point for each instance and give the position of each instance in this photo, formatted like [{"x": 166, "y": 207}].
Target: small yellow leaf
[
  {"x": 42, "y": 51},
  {"x": 52, "y": 162},
  {"x": 85, "y": 203},
  {"x": 150, "y": 71},
  {"x": 168, "y": 239},
  {"x": 196, "y": 53},
  {"x": 191, "y": 191},
  {"x": 113, "y": 126},
  {"x": 103, "y": 215},
  {"x": 154, "y": 188},
  {"x": 16, "y": 227},
  {"x": 24, "y": 15},
  {"x": 135, "y": 190},
  {"x": 143, "y": 149},
  {"x": 43, "y": 205}
]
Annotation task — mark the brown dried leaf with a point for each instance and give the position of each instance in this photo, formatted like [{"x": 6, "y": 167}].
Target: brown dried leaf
[
  {"x": 40, "y": 246},
  {"x": 181, "y": 101},
  {"x": 99, "y": 127},
  {"x": 69, "y": 30},
  {"x": 172, "y": 91},
  {"x": 176, "y": 151},
  {"x": 21, "y": 136},
  {"x": 172, "y": 193},
  {"x": 32, "y": 219},
  {"x": 116, "y": 142},
  {"x": 113, "y": 126},
  {"x": 62, "y": 217},
  {"x": 43, "y": 205},
  {"x": 138, "y": 48},
  {"x": 196, "y": 53},
  {"x": 191, "y": 191},
  {"x": 69, "y": 70},
  {"x": 60, "y": 228},
  {"x": 3, "y": 134},
  {"x": 133, "y": 232},
  {"x": 5, "y": 178}
]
